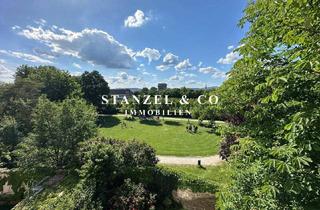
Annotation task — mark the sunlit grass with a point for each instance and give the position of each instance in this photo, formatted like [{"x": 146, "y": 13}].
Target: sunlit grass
[
  {"x": 218, "y": 174},
  {"x": 168, "y": 137}
]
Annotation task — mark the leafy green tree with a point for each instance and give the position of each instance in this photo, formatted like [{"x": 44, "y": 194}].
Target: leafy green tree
[
  {"x": 106, "y": 163},
  {"x": 94, "y": 86},
  {"x": 153, "y": 91},
  {"x": 115, "y": 174},
  {"x": 18, "y": 100},
  {"x": 9, "y": 134},
  {"x": 58, "y": 128},
  {"x": 57, "y": 85},
  {"x": 273, "y": 94},
  {"x": 144, "y": 91},
  {"x": 9, "y": 138},
  {"x": 23, "y": 71}
]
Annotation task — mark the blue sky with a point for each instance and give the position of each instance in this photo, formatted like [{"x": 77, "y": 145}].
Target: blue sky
[{"x": 131, "y": 43}]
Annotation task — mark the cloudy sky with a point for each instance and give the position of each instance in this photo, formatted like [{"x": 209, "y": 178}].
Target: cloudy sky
[{"x": 131, "y": 43}]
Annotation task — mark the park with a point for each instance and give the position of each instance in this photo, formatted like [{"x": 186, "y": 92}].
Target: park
[
  {"x": 98, "y": 113},
  {"x": 167, "y": 137}
]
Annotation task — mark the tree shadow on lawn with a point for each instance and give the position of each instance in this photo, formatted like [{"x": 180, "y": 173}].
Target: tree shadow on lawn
[
  {"x": 169, "y": 122},
  {"x": 150, "y": 122},
  {"x": 108, "y": 122}
]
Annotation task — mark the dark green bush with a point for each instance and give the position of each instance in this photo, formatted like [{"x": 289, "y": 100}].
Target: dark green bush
[{"x": 132, "y": 196}]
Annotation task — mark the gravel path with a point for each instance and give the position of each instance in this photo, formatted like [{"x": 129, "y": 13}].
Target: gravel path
[{"x": 206, "y": 161}]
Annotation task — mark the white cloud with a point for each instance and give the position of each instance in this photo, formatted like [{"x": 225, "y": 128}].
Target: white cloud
[
  {"x": 175, "y": 78},
  {"x": 179, "y": 80},
  {"x": 137, "y": 20},
  {"x": 54, "y": 27},
  {"x": 141, "y": 67},
  {"x": 219, "y": 74},
  {"x": 170, "y": 59},
  {"x": 123, "y": 79},
  {"x": 230, "y": 58},
  {"x": 6, "y": 74},
  {"x": 15, "y": 27},
  {"x": 25, "y": 56},
  {"x": 192, "y": 82},
  {"x": 41, "y": 22},
  {"x": 215, "y": 73},
  {"x": 208, "y": 70},
  {"x": 91, "y": 45},
  {"x": 188, "y": 74},
  {"x": 76, "y": 65},
  {"x": 151, "y": 54},
  {"x": 123, "y": 75},
  {"x": 230, "y": 47},
  {"x": 162, "y": 67},
  {"x": 181, "y": 76},
  {"x": 146, "y": 73},
  {"x": 183, "y": 65},
  {"x": 44, "y": 53},
  {"x": 76, "y": 73}
]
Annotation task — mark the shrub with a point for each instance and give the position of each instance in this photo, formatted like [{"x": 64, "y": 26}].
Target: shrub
[
  {"x": 107, "y": 163},
  {"x": 132, "y": 196}
]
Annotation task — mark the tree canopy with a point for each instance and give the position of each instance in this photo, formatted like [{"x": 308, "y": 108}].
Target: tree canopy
[
  {"x": 274, "y": 92},
  {"x": 93, "y": 87},
  {"x": 57, "y": 130},
  {"x": 56, "y": 84}
]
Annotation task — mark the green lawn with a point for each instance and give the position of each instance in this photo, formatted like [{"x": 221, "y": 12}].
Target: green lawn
[
  {"x": 218, "y": 174},
  {"x": 168, "y": 137}
]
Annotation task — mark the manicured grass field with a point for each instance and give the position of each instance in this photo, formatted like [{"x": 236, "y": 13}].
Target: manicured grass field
[
  {"x": 220, "y": 175},
  {"x": 168, "y": 137}
]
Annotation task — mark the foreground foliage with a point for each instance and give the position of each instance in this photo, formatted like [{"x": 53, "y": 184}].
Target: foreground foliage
[
  {"x": 112, "y": 175},
  {"x": 274, "y": 92},
  {"x": 115, "y": 174},
  {"x": 18, "y": 100},
  {"x": 58, "y": 128}
]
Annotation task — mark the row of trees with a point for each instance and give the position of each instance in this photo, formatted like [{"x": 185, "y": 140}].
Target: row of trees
[
  {"x": 272, "y": 99},
  {"x": 172, "y": 92}
]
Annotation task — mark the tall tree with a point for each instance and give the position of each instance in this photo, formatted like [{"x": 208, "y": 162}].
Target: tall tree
[
  {"x": 275, "y": 91},
  {"x": 58, "y": 128},
  {"x": 56, "y": 84},
  {"x": 94, "y": 86},
  {"x": 18, "y": 100}
]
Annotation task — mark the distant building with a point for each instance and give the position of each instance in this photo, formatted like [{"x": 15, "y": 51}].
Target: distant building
[
  {"x": 121, "y": 93},
  {"x": 162, "y": 86}
]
